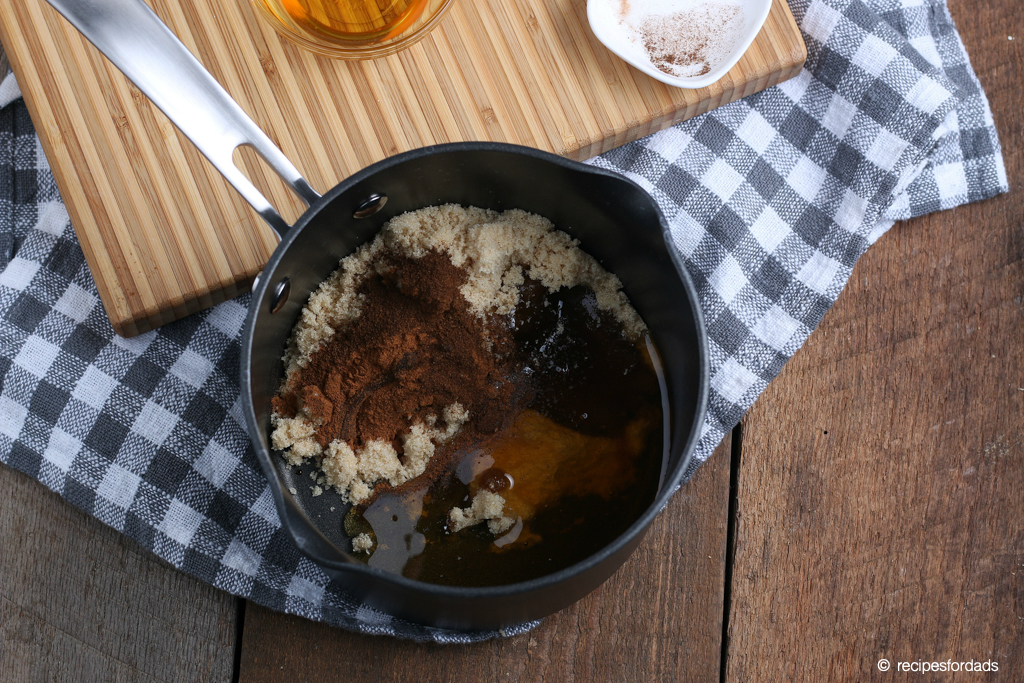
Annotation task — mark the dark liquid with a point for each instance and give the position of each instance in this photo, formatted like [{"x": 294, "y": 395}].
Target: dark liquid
[{"x": 585, "y": 455}]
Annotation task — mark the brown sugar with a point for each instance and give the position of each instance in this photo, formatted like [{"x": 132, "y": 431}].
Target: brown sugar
[
  {"x": 362, "y": 543},
  {"x": 487, "y": 507}
]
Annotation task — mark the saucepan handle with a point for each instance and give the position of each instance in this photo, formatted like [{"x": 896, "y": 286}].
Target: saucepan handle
[{"x": 138, "y": 43}]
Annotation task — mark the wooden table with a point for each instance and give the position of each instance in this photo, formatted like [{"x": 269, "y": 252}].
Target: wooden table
[{"x": 871, "y": 504}]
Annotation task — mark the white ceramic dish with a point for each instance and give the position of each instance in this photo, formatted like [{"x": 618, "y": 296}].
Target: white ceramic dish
[{"x": 619, "y": 35}]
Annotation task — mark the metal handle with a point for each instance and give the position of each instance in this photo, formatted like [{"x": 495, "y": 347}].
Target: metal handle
[{"x": 138, "y": 43}]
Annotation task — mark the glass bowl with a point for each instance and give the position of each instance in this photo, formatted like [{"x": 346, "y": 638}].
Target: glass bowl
[{"x": 353, "y": 29}]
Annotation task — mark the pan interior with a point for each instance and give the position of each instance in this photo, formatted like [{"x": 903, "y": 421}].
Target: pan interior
[{"x": 613, "y": 219}]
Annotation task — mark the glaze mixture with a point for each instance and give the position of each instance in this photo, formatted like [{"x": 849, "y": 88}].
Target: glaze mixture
[{"x": 481, "y": 392}]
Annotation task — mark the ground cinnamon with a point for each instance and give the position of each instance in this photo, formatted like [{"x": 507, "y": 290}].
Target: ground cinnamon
[{"x": 415, "y": 349}]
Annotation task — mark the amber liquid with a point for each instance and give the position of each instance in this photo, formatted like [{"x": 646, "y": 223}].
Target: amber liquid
[
  {"x": 354, "y": 20},
  {"x": 584, "y": 457}
]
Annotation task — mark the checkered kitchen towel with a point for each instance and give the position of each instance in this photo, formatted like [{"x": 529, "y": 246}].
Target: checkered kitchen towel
[{"x": 771, "y": 201}]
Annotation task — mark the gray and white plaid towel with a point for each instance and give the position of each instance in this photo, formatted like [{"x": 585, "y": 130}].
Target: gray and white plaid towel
[{"x": 771, "y": 201}]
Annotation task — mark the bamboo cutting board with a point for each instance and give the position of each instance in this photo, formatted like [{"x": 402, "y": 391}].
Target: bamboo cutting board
[{"x": 165, "y": 236}]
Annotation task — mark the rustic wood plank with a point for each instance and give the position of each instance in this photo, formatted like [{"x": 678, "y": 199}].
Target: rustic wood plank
[
  {"x": 81, "y": 602},
  {"x": 879, "y": 498},
  {"x": 165, "y": 236},
  {"x": 657, "y": 619}
]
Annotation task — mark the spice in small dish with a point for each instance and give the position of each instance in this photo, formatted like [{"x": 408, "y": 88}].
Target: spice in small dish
[
  {"x": 689, "y": 42},
  {"x": 686, "y": 43}
]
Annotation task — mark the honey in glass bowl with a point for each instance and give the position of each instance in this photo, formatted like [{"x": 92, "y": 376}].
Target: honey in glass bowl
[{"x": 353, "y": 29}]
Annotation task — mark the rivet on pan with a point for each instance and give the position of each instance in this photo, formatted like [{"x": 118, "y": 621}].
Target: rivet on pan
[
  {"x": 369, "y": 206},
  {"x": 281, "y": 291},
  {"x": 256, "y": 281}
]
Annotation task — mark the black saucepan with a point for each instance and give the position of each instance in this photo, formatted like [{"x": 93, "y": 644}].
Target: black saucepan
[{"x": 613, "y": 218}]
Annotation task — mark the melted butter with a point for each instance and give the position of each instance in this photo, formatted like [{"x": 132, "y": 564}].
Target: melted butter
[{"x": 548, "y": 461}]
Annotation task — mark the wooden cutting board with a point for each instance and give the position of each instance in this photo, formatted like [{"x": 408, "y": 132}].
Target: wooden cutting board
[{"x": 165, "y": 235}]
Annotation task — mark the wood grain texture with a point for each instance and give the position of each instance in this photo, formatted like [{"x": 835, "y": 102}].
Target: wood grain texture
[
  {"x": 165, "y": 236},
  {"x": 659, "y": 618},
  {"x": 880, "y": 507},
  {"x": 80, "y": 602}
]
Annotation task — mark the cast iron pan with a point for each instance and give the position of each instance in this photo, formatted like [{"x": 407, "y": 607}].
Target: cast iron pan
[{"x": 612, "y": 217}]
